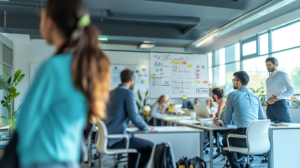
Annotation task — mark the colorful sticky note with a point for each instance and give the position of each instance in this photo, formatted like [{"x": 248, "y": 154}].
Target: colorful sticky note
[
  {"x": 198, "y": 70},
  {"x": 173, "y": 62},
  {"x": 198, "y": 82},
  {"x": 154, "y": 75},
  {"x": 184, "y": 62},
  {"x": 145, "y": 81},
  {"x": 176, "y": 62},
  {"x": 205, "y": 81},
  {"x": 197, "y": 74},
  {"x": 184, "y": 96},
  {"x": 181, "y": 62},
  {"x": 190, "y": 66}
]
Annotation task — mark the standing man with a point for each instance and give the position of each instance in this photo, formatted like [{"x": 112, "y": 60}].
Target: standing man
[
  {"x": 279, "y": 88},
  {"x": 120, "y": 109}
]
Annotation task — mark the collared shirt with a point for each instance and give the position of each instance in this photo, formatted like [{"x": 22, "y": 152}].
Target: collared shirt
[
  {"x": 121, "y": 109},
  {"x": 280, "y": 85},
  {"x": 246, "y": 107}
]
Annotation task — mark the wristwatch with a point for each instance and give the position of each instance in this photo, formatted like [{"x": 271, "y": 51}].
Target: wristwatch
[{"x": 221, "y": 125}]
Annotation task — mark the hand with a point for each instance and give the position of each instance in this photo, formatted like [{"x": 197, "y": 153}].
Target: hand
[
  {"x": 217, "y": 122},
  {"x": 150, "y": 128},
  {"x": 131, "y": 125},
  {"x": 272, "y": 99}
]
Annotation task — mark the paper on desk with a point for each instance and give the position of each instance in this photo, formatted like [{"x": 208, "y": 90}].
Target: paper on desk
[
  {"x": 231, "y": 126},
  {"x": 4, "y": 127},
  {"x": 189, "y": 121}
]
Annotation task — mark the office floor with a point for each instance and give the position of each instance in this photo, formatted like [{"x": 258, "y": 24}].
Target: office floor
[{"x": 218, "y": 163}]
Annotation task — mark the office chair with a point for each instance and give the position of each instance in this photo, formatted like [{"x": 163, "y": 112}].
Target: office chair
[
  {"x": 102, "y": 144},
  {"x": 257, "y": 138}
]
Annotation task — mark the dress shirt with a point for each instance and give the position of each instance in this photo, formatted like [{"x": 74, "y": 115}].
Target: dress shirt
[
  {"x": 246, "y": 107},
  {"x": 280, "y": 85}
]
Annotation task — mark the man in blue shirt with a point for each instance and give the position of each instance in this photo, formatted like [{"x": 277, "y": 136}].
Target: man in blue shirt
[
  {"x": 121, "y": 109},
  {"x": 247, "y": 108}
]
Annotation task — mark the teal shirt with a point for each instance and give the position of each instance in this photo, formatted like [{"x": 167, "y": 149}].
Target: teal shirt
[{"x": 53, "y": 115}]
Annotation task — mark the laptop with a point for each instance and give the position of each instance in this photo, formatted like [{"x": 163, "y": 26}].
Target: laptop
[{"x": 201, "y": 111}]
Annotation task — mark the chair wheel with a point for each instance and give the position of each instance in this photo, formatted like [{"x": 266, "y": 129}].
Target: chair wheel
[{"x": 206, "y": 151}]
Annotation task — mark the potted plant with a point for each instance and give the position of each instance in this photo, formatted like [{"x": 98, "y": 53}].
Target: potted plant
[
  {"x": 260, "y": 92},
  {"x": 8, "y": 85},
  {"x": 142, "y": 102}
]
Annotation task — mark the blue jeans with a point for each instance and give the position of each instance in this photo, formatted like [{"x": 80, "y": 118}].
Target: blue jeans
[{"x": 278, "y": 112}]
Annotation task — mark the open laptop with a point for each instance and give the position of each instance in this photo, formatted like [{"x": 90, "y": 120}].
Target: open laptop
[{"x": 201, "y": 111}]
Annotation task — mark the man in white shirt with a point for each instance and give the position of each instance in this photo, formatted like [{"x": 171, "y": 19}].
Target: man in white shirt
[{"x": 279, "y": 88}]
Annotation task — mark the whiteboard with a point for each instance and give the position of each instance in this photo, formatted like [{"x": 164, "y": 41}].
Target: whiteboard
[
  {"x": 141, "y": 76},
  {"x": 177, "y": 75}
]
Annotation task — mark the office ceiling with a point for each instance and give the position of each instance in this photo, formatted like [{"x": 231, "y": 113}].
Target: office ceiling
[{"x": 173, "y": 23}]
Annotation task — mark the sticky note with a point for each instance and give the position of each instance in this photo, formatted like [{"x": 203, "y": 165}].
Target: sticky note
[
  {"x": 154, "y": 75},
  {"x": 145, "y": 81},
  {"x": 205, "y": 81},
  {"x": 197, "y": 74},
  {"x": 184, "y": 62},
  {"x": 176, "y": 62},
  {"x": 198, "y": 82},
  {"x": 173, "y": 62},
  {"x": 139, "y": 63},
  {"x": 190, "y": 66},
  {"x": 184, "y": 96},
  {"x": 181, "y": 62}
]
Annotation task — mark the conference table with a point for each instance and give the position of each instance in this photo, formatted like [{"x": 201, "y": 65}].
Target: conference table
[{"x": 186, "y": 121}]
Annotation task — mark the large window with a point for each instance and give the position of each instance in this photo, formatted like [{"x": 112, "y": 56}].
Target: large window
[
  {"x": 282, "y": 43},
  {"x": 289, "y": 62},
  {"x": 286, "y": 37}
]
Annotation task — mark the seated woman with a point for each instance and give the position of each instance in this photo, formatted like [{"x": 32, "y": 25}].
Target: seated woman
[
  {"x": 211, "y": 105},
  {"x": 159, "y": 107},
  {"x": 217, "y": 95}
]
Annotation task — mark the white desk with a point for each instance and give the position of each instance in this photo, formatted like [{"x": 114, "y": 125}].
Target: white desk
[
  {"x": 185, "y": 141},
  {"x": 285, "y": 146},
  {"x": 186, "y": 121}
]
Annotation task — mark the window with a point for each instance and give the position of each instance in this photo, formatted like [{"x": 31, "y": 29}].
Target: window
[
  {"x": 288, "y": 62},
  {"x": 264, "y": 44},
  {"x": 249, "y": 48},
  {"x": 7, "y": 55},
  {"x": 219, "y": 76},
  {"x": 210, "y": 68},
  {"x": 286, "y": 37},
  {"x": 230, "y": 70},
  {"x": 232, "y": 53},
  {"x": 257, "y": 71}
]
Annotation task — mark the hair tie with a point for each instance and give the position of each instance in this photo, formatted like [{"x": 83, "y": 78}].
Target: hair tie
[{"x": 84, "y": 21}]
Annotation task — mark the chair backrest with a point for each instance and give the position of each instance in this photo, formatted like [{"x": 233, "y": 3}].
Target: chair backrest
[
  {"x": 258, "y": 137},
  {"x": 102, "y": 140}
]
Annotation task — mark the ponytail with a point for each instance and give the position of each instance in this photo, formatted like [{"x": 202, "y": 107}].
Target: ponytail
[{"x": 90, "y": 70}]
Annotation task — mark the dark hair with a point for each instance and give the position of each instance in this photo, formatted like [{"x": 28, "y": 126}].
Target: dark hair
[
  {"x": 126, "y": 75},
  {"x": 196, "y": 99},
  {"x": 90, "y": 66},
  {"x": 273, "y": 60},
  {"x": 219, "y": 92},
  {"x": 243, "y": 77}
]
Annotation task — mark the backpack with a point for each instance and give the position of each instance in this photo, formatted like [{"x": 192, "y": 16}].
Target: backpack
[
  {"x": 192, "y": 163},
  {"x": 163, "y": 156}
]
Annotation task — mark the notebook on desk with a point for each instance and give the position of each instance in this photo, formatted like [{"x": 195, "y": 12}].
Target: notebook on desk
[{"x": 279, "y": 125}]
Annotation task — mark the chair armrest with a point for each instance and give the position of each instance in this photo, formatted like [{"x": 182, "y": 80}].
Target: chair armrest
[
  {"x": 236, "y": 136},
  {"x": 118, "y": 136},
  {"x": 233, "y": 136}
]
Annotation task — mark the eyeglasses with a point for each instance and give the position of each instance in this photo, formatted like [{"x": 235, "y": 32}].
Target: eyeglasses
[{"x": 234, "y": 80}]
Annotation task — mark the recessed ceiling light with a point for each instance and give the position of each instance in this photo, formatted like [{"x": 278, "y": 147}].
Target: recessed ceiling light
[{"x": 146, "y": 46}]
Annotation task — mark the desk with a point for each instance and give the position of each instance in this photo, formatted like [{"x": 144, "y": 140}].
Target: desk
[
  {"x": 178, "y": 137},
  {"x": 285, "y": 146},
  {"x": 186, "y": 121}
]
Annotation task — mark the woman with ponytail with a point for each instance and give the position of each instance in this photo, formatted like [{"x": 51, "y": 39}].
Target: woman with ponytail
[{"x": 70, "y": 89}]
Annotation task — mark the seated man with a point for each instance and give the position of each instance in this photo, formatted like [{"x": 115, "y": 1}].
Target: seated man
[
  {"x": 196, "y": 101},
  {"x": 120, "y": 109},
  {"x": 246, "y": 107}
]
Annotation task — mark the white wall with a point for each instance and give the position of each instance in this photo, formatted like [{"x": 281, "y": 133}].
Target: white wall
[
  {"x": 217, "y": 44},
  {"x": 27, "y": 51}
]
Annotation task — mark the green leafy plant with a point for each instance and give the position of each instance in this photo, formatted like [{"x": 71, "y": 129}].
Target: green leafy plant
[
  {"x": 260, "y": 92},
  {"x": 8, "y": 85},
  {"x": 141, "y": 102}
]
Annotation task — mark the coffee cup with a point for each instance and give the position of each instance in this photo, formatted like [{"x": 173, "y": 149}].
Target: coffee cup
[{"x": 193, "y": 115}]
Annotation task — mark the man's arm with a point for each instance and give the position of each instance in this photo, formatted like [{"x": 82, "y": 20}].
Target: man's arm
[
  {"x": 228, "y": 110},
  {"x": 289, "y": 87},
  {"x": 132, "y": 110},
  {"x": 261, "y": 115}
]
